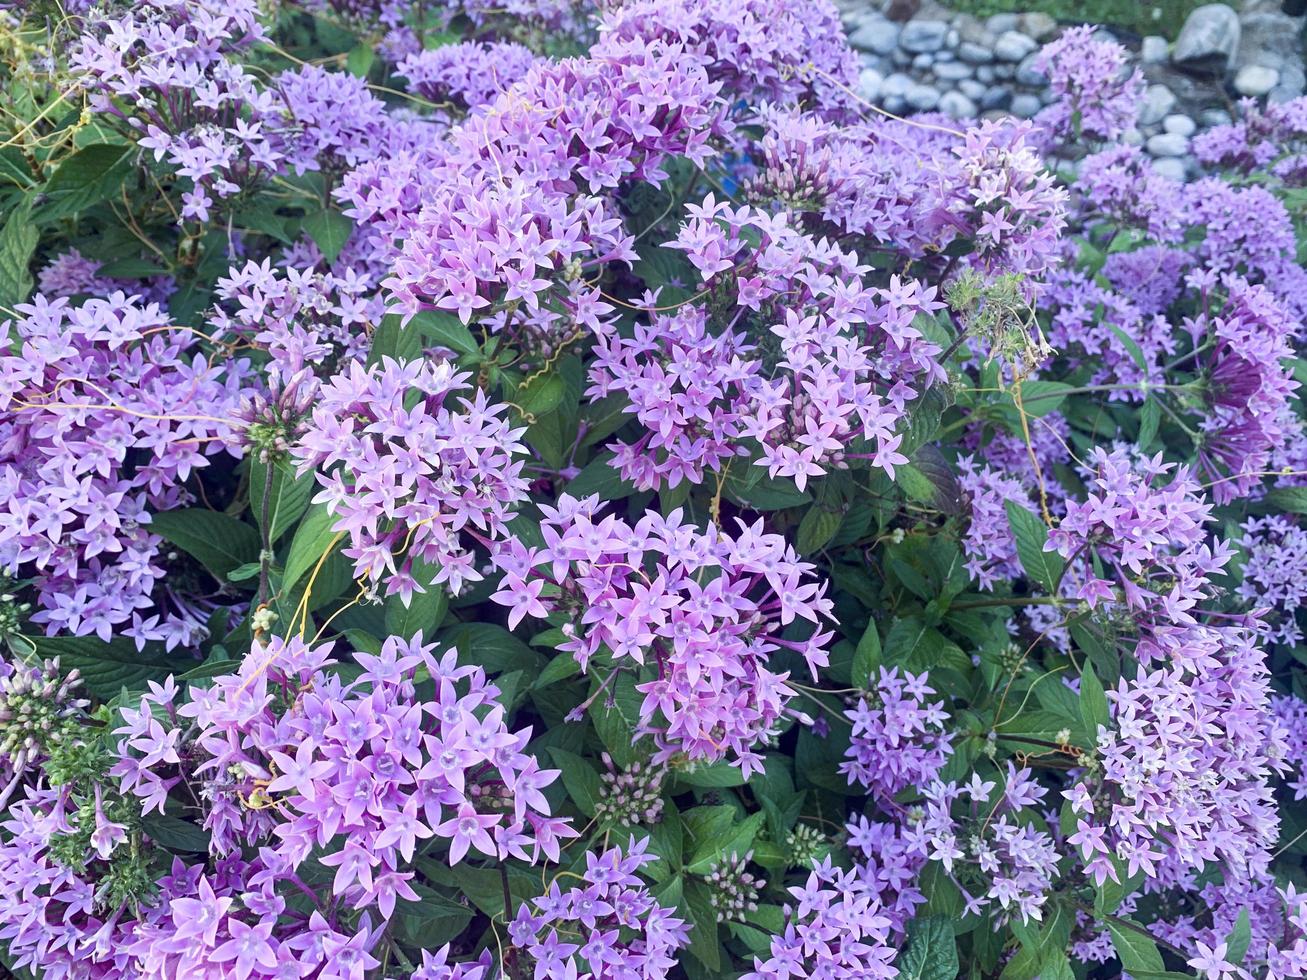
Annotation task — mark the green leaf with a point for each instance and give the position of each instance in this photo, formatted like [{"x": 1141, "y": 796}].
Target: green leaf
[
  {"x": 1150, "y": 415},
  {"x": 616, "y": 721},
  {"x": 1043, "y": 567},
  {"x": 719, "y": 775},
  {"x": 1292, "y": 500},
  {"x": 1238, "y": 940},
  {"x": 444, "y": 329},
  {"x": 359, "y": 61},
  {"x": 560, "y": 668},
  {"x": 1137, "y": 952},
  {"x": 931, "y": 952},
  {"x": 288, "y": 500},
  {"x": 106, "y": 668},
  {"x": 18, "y": 241},
  {"x": 1093, "y": 702},
  {"x": 748, "y": 485},
  {"x": 704, "y": 943},
  {"x": 601, "y": 477},
  {"x": 423, "y": 614},
  {"x": 313, "y": 539},
  {"x": 866, "y": 658},
  {"x": 541, "y": 395},
  {"x": 87, "y": 177},
  {"x": 330, "y": 230},
  {"x": 1040, "y": 397},
  {"x": 216, "y": 540},
  {"x": 434, "y": 919},
  {"x": 914, "y": 483},
  {"x": 393, "y": 338},
  {"x": 579, "y": 778},
  {"x": 175, "y": 834},
  {"x": 131, "y": 268},
  {"x": 818, "y": 526}
]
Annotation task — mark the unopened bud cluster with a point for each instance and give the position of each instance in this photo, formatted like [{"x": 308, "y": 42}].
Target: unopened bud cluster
[
  {"x": 733, "y": 890},
  {"x": 274, "y": 420},
  {"x": 630, "y": 796},
  {"x": 805, "y": 845},
  {"x": 36, "y": 711}
]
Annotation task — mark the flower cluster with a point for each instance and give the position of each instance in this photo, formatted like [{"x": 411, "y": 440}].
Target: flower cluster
[
  {"x": 407, "y": 477},
  {"x": 898, "y": 738},
  {"x": 1096, "y": 94},
  {"x": 702, "y": 610},
  {"x": 106, "y": 411},
  {"x": 618, "y": 927}
]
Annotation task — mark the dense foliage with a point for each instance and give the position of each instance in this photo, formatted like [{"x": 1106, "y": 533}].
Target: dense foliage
[{"x": 531, "y": 490}]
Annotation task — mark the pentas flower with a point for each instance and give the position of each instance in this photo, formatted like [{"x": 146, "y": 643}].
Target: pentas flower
[
  {"x": 1264, "y": 139},
  {"x": 689, "y": 388},
  {"x": 71, "y": 274},
  {"x": 1291, "y": 714},
  {"x": 335, "y": 123},
  {"x": 106, "y": 411},
  {"x": 699, "y": 612},
  {"x": 469, "y": 74},
  {"x": 889, "y": 859},
  {"x": 1152, "y": 277},
  {"x": 837, "y": 360},
  {"x": 987, "y": 542},
  {"x": 1181, "y": 776},
  {"x": 1140, "y": 538},
  {"x": 374, "y": 765},
  {"x": 1096, "y": 328},
  {"x": 607, "y": 927},
  {"x": 981, "y": 835},
  {"x": 777, "y": 52},
  {"x": 516, "y": 199},
  {"x": 413, "y": 481},
  {"x": 301, "y": 315},
  {"x": 168, "y": 69},
  {"x": 1007, "y": 203},
  {"x": 835, "y": 927},
  {"x": 1118, "y": 186},
  {"x": 898, "y": 737},
  {"x": 1095, "y": 92},
  {"x": 1247, "y": 382}
]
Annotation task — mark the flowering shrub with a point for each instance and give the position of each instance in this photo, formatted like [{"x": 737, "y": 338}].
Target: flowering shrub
[{"x": 563, "y": 490}]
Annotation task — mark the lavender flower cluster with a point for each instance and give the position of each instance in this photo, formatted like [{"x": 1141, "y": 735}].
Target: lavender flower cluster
[{"x": 568, "y": 491}]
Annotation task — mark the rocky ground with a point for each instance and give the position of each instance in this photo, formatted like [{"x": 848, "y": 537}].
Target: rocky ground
[{"x": 923, "y": 57}]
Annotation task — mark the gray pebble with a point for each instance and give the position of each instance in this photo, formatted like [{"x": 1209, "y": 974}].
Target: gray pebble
[
  {"x": 996, "y": 97},
  {"x": 953, "y": 71},
  {"x": 972, "y": 89},
  {"x": 923, "y": 35},
  {"x": 1027, "y": 74},
  {"x": 1170, "y": 167},
  {"x": 1154, "y": 50},
  {"x": 975, "y": 53},
  {"x": 999, "y": 23},
  {"x": 1168, "y": 145},
  {"x": 1179, "y": 124},
  {"x": 1026, "y": 105},
  {"x": 880, "y": 36},
  {"x": 869, "y": 84},
  {"x": 923, "y": 98},
  {"x": 1256, "y": 80},
  {"x": 957, "y": 105},
  {"x": 1157, "y": 105},
  {"x": 1013, "y": 46}
]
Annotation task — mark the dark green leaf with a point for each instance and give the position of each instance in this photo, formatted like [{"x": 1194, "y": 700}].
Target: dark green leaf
[
  {"x": 931, "y": 952},
  {"x": 313, "y": 539},
  {"x": 175, "y": 834},
  {"x": 440, "y": 328},
  {"x": 1239, "y": 938},
  {"x": 18, "y": 240},
  {"x": 1044, "y": 568},
  {"x": 87, "y": 177},
  {"x": 1136, "y": 951},
  {"x": 330, "y": 230},
  {"x": 216, "y": 540},
  {"x": 288, "y": 500},
  {"x": 580, "y": 778},
  {"x": 1093, "y": 702},
  {"x": 866, "y": 658},
  {"x": 106, "y": 668},
  {"x": 818, "y": 526}
]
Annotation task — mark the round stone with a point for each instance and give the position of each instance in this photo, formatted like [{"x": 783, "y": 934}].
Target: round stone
[
  {"x": 923, "y": 98},
  {"x": 1028, "y": 74},
  {"x": 999, "y": 23},
  {"x": 972, "y": 89},
  {"x": 869, "y": 84},
  {"x": 920, "y": 36},
  {"x": 976, "y": 54},
  {"x": 922, "y": 62},
  {"x": 878, "y": 35},
  {"x": 1255, "y": 81},
  {"x": 1208, "y": 39},
  {"x": 896, "y": 86},
  {"x": 1179, "y": 124},
  {"x": 1157, "y": 105},
  {"x": 1026, "y": 105},
  {"x": 1170, "y": 167},
  {"x": 1013, "y": 46},
  {"x": 985, "y": 73},
  {"x": 1154, "y": 50},
  {"x": 1132, "y": 137},
  {"x": 996, "y": 97},
  {"x": 1214, "y": 117},
  {"x": 953, "y": 71},
  {"x": 1168, "y": 145},
  {"x": 1039, "y": 25},
  {"x": 957, "y": 105}
]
